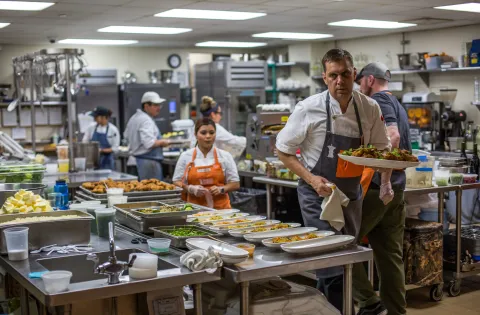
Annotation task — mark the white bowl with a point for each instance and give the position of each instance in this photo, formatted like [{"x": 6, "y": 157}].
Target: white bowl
[{"x": 56, "y": 281}]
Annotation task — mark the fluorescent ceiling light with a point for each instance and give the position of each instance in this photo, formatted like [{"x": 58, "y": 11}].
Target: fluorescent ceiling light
[
  {"x": 371, "y": 24},
  {"x": 79, "y": 41},
  {"x": 24, "y": 5},
  {"x": 465, "y": 7},
  {"x": 230, "y": 44},
  {"x": 144, "y": 30},
  {"x": 209, "y": 14},
  {"x": 2, "y": 25},
  {"x": 289, "y": 35}
]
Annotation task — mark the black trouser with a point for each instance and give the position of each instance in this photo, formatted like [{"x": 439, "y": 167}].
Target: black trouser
[{"x": 332, "y": 288}]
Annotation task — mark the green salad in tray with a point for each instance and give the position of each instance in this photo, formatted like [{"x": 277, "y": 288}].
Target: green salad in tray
[
  {"x": 186, "y": 232},
  {"x": 21, "y": 173}
]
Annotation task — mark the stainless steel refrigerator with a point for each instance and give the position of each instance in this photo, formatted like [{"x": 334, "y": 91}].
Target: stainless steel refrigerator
[{"x": 238, "y": 87}]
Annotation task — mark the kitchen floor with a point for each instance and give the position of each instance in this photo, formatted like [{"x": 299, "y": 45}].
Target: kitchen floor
[{"x": 467, "y": 303}]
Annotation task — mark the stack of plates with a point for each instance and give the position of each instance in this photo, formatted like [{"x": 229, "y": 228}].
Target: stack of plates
[{"x": 229, "y": 253}]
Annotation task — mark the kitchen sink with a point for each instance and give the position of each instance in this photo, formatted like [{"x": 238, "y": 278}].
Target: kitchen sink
[{"x": 82, "y": 269}]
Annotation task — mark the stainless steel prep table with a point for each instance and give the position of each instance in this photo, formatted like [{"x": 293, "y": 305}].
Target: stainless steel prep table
[
  {"x": 269, "y": 262},
  {"x": 88, "y": 290},
  {"x": 75, "y": 180}
]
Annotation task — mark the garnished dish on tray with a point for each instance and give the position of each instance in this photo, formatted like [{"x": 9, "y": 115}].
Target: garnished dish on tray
[
  {"x": 266, "y": 227},
  {"x": 128, "y": 186},
  {"x": 218, "y": 217},
  {"x": 372, "y": 157},
  {"x": 166, "y": 209}
]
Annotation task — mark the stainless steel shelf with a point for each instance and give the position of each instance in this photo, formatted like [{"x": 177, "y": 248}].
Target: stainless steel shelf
[
  {"x": 394, "y": 72},
  {"x": 38, "y": 104}
]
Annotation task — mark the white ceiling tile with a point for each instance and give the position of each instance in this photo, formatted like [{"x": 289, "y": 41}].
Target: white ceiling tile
[
  {"x": 107, "y": 2},
  {"x": 344, "y": 5},
  {"x": 164, "y": 4},
  {"x": 313, "y": 12},
  {"x": 266, "y": 9},
  {"x": 204, "y": 5},
  {"x": 240, "y": 1},
  {"x": 295, "y": 3},
  {"x": 431, "y": 3}
]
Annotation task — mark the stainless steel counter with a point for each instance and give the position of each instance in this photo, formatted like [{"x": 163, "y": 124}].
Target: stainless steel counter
[
  {"x": 76, "y": 179},
  {"x": 98, "y": 289}
]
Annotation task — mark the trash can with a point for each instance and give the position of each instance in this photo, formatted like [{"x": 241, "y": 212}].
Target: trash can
[
  {"x": 423, "y": 255},
  {"x": 250, "y": 200}
]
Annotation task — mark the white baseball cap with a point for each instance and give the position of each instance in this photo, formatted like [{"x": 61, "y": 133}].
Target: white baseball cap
[{"x": 152, "y": 97}]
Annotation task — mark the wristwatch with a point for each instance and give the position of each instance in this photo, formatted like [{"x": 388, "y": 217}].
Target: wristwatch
[{"x": 222, "y": 190}]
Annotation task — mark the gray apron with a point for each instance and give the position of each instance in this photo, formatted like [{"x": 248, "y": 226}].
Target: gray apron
[{"x": 326, "y": 166}]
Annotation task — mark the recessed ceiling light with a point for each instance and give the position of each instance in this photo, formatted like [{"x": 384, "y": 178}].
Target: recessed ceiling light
[
  {"x": 79, "y": 41},
  {"x": 24, "y": 5},
  {"x": 465, "y": 7},
  {"x": 289, "y": 35},
  {"x": 371, "y": 24},
  {"x": 144, "y": 30},
  {"x": 210, "y": 14},
  {"x": 230, "y": 44},
  {"x": 2, "y": 25}
]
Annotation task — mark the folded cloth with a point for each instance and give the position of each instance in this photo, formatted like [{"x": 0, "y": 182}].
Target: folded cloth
[
  {"x": 332, "y": 208},
  {"x": 200, "y": 259}
]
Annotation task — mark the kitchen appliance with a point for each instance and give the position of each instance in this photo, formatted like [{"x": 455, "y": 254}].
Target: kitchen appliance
[
  {"x": 237, "y": 86},
  {"x": 166, "y": 76},
  {"x": 130, "y": 96},
  {"x": 426, "y": 124},
  {"x": 90, "y": 151},
  {"x": 261, "y": 132},
  {"x": 421, "y": 59},
  {"x": 98, "y": 87}
]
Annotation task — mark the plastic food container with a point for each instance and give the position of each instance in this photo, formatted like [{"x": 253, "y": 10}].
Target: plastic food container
[
  {"x": 159, "y": 245},
  {"x": 419, "y": 177},
  {"x": 56, "y": 281},
  {"x": 113, "y": 200},
  {"x": 62, "y": 152},
  {"x": 91, "y": 210},
  {"x": 51, "y": 168},
  {"x": 91, "y": 202},
  {"x": 103, "y": 218},
  {"x": 17, "y": 243},
  {"x": 114, "y": 192},
  {"x": 78, "y": 206},
  {"x": 441, "y": 177},
  {"x": 21, "y": 173},
  {"x": 456, "y": 179},
  {"x": 63, "y": 166},
  {"x": 469, "y": 178},
  {"x": 250, "y": 248},
  {"x": 144, "y": 261},
  {"x": 140, "y": 274},
  {"x": 80, "y": 164}
]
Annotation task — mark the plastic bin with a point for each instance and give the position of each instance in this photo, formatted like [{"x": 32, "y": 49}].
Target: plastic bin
[
  {"x": 249, "y": 200},
  {"x": 21, "y": 173},
  {"x": 423, "y": 252}
]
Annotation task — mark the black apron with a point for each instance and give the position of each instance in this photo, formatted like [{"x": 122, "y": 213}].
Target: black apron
[{"x": 326, "y": 166}]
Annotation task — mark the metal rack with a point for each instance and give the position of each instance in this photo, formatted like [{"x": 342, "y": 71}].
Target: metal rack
[{"x": 33, "y": 68}]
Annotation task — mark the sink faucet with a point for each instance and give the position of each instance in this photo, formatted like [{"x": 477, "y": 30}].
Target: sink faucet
[{"x": 113, "y": 268}]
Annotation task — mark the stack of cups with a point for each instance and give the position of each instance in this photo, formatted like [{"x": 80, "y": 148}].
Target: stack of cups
[
  {"x": 103, "y": 218},
  {"x": 91, "y": 210},
  {"x": 17, "y": 243},
  {"x": 115, "y": 196}
]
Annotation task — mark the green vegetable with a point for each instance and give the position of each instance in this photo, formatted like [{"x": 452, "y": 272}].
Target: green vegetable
[
  {"x": 187, "y": 207},
  {"x": 456, "y": 179},
  {"x": 186, "y": 232},
  {"x": 442, "y": 182}
]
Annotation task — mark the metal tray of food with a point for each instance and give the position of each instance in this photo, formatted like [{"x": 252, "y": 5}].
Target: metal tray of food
[
  {"x": 71, "y": 231},
  {"x": 83, "y": 197},
  {"x": 177, "y": 191},
  {"x": 132, "y": 208},
  {"x": 180, "y": 241},
  {"x": 452, "y": 161}
]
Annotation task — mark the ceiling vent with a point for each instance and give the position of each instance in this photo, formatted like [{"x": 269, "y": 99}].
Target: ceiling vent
[{"x": 427, "y": 21}]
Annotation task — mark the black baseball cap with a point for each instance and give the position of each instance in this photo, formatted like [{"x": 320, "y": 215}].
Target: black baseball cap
[
  {"x": 377, "y": 69},
  {"x": 101, "y": 111}
]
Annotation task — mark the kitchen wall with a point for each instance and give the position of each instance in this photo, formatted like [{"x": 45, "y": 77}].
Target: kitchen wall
[{"x": 385, "y": 49}]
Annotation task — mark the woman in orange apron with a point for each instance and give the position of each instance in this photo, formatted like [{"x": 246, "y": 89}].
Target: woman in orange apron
[{"x": 208, "y": 173}]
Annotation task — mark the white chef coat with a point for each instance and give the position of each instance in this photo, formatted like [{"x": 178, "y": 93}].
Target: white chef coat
[
  {"x": 225, "y": 140},
  {"x": 306, "y": 127},
  {"x": 113, "y": 136},
  {"x": 226, "y": 160},
  {"x": 141, "y": 133}
]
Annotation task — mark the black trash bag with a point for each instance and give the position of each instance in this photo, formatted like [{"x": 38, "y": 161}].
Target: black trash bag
[{"x": 250, "y": 200}]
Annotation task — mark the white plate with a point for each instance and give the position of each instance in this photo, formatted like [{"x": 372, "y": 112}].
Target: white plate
[
  {"x": 223, "y": 249},
  {"x": 213, "y": 212},
  {"x": 268, "y": 242},
  {"x": 318, "y": 245},
  {"x": 377, "y": 162},
  {"x": 219, "y": 224},
  {"x": 258, "y": 237},
  {"x": 224, "y": 217},
  {"x": 241, "y": 232}
]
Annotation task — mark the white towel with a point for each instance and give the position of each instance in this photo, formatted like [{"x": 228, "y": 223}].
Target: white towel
[
  {"x": 332, "y": 208},
  {"x": 200, "y": 259}
]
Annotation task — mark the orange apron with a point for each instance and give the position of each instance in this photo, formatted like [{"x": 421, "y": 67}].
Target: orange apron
[{"x": 206, "y": 176}]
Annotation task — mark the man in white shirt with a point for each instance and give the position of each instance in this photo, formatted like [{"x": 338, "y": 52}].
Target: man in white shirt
[
  {"x": 145, "y": 140},
  {"x": 322, "y": 126}
]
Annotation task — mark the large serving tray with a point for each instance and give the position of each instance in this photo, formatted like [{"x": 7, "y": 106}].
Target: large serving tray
[
  {"x": 177, "y": 191},
  {"x": 371, "y": 162},
  {"x": 79, "y": 195},
  {"x": 132, "y": 208},
  {"x": 74, "y": 231},
  {"x": 180, "y": 241}
]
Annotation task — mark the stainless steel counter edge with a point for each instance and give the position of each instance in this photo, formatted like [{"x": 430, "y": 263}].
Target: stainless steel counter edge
[
  {"x": 350, "y": 255},
  {"x": 99, "y": 289}
]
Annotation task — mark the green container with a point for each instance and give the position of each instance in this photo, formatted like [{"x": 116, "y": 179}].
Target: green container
[{"x": 103, "y": 218}]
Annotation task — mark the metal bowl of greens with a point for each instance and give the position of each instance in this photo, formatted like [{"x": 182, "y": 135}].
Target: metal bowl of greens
[{"x": 180, "y": 233}]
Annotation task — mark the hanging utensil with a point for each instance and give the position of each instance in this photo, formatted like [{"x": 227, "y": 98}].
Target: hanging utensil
[{"x": 11, "y": 107}]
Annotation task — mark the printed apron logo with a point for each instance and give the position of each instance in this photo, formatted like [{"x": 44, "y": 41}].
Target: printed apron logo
[{"x": 331, "y": 150}]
